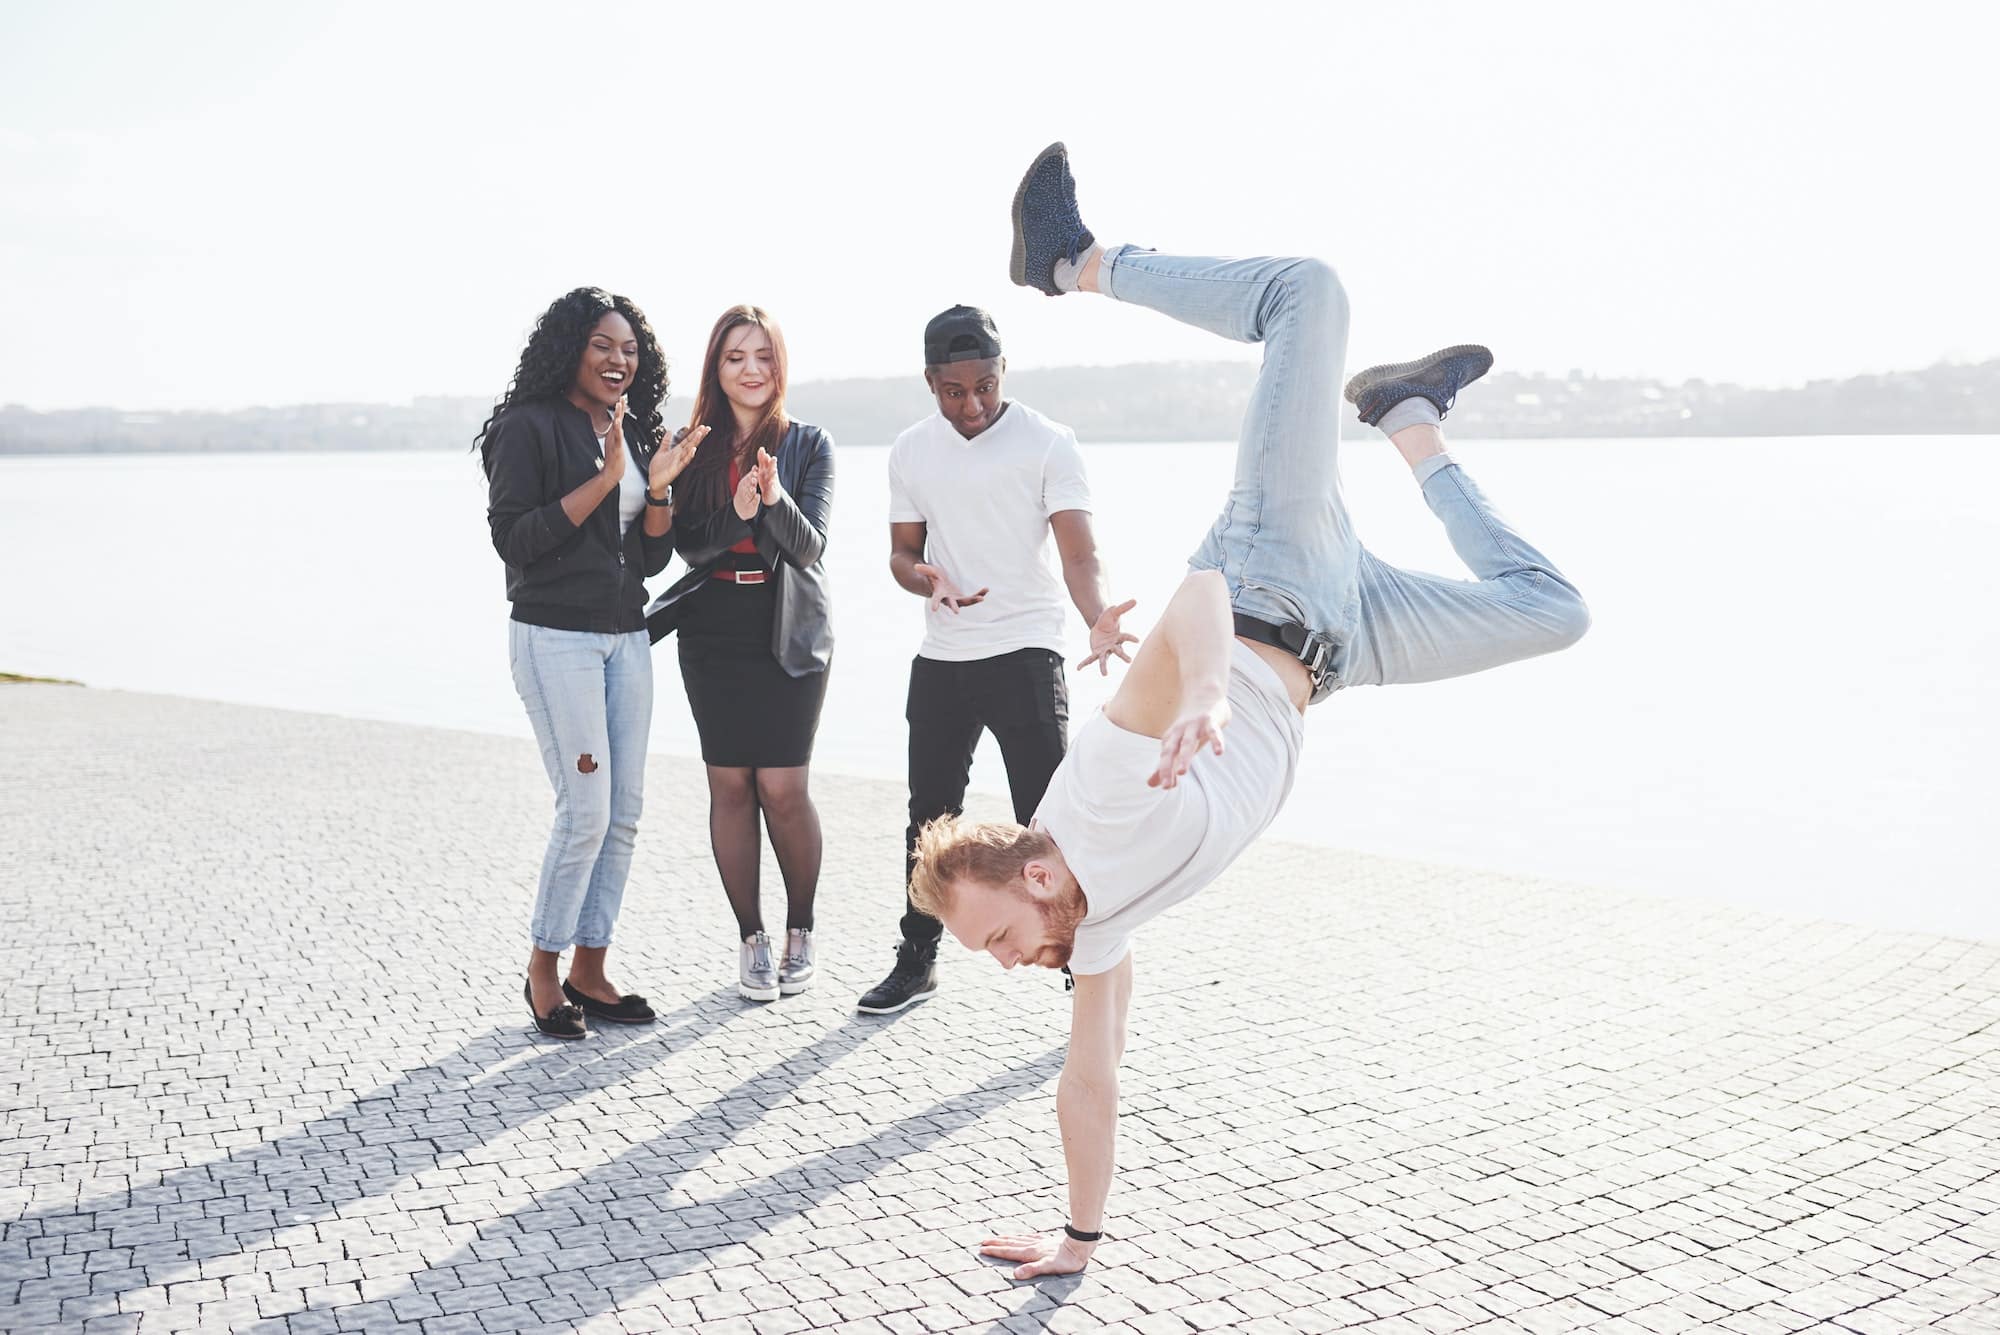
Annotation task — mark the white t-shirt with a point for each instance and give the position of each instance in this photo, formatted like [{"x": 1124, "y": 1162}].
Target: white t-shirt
[
  {"x": 986, "y": 503},
  {"x": 631, "y": 489},
  {"x": 1138, "y": 851}
]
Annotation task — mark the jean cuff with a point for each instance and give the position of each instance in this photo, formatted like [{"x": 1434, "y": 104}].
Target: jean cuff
[
  {"x": 1106, "y": 266},
  {"x": 1431, "y": 467}
]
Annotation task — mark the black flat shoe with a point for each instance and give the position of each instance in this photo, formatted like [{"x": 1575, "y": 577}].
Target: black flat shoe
[
  {"x": 628, "y": 1009},
  {"x": 561, "y": 1022}
]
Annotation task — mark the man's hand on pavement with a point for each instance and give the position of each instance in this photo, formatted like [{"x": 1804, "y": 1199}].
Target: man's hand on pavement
[{"x": 1039, "y": 1253}]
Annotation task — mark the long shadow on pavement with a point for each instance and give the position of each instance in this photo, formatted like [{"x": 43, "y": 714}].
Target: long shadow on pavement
[
  {"x": 418, "y": 1122},
  {"x": 586, "y": 1271}
]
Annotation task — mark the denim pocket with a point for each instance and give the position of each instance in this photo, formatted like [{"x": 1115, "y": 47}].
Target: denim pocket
[{"x": 1293, "y": 609}]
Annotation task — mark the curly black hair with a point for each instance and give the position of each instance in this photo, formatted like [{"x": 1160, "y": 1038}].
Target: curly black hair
[{"x": 555, "y": 349}]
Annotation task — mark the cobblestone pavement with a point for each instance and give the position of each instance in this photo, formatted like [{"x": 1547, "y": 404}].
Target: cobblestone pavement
[{"x": 266, "y": 1068}]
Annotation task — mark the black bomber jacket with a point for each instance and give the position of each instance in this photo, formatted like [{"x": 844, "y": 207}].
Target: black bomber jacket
[{"x": 567, "y": 576}]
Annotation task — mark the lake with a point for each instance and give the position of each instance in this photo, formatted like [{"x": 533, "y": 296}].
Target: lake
[{"x": 1786, "y": 701}]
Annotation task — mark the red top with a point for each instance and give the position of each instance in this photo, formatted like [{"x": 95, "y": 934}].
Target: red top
[{"x": 749, "y": 545}]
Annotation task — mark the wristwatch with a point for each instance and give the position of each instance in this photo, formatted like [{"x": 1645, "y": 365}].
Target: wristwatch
[{"x": 651, "y": 499}]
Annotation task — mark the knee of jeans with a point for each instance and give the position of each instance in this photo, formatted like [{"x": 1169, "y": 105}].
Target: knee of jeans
[
  {"x": 1568, "y": 616},
  {"x": 625, "y": 812},
  {"x": 588, "y": 807},
  {"x": 1315, "y": 285}
]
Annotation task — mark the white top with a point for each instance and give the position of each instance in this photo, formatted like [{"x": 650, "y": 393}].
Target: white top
[
  {"x": 1138, "y": 851},
  {"x": 986, "y": 503},
  {"x": 631, "y": 489}
]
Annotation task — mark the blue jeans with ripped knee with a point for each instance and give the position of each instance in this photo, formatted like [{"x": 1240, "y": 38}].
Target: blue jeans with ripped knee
[
  {"x": 1283, "y": 541},
  {"x": 590, "y": 699}
]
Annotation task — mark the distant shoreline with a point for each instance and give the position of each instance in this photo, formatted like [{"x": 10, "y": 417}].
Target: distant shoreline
[{"x": 1154, "y": 401}]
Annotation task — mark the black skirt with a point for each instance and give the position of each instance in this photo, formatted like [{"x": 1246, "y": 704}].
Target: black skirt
[{"x": 750, "y": 712}]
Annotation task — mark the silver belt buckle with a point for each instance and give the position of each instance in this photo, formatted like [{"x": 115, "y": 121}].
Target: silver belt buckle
[{"x": 1318, "y": 658}]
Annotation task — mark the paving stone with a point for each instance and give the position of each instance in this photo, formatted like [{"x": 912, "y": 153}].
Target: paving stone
[{"x": 281, "y": 1083}]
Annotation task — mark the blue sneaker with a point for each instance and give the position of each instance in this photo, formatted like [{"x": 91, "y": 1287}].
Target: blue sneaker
[
  {"x": 1437, "y": 377},
  {"x": 1047, "y": 226}
]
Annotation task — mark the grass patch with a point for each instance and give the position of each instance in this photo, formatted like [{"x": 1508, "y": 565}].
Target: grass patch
[{"x": 11, "y": 677}]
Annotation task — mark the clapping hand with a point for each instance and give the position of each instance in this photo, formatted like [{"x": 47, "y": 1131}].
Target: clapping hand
[
  {"x": 1107, "y": 639},
  {"x": 612, "y": 466},
  {"x": 944, "y": 593},
  {"x": 767, "y": 477},
  {"x": 670, "y": 459},
  {"x": 749, "y": 490}
]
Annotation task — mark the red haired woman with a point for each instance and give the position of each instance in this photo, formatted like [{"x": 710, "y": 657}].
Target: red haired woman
[{"x": 756, "y": 641}]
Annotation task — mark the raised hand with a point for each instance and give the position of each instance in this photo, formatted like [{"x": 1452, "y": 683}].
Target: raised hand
[
  {"x": 944, "y": 593},
  {"x": 767, "y": 477},
  {"x": 1106, "y": 638},
  {"x": 611, "y": 468},
  {"x": 748, "y": 491},
  {"x": 1040, "y": 1254},
  {"x": 1182, "y": 742},
  {"x": 670, "y": 459}
]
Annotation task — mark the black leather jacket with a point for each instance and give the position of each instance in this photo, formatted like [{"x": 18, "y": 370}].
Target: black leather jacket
[
  {"x": 586, "y": 576},
  {"x": 790, "y": 536}
]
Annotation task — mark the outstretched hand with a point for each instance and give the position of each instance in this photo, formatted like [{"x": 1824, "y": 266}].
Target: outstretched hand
[
  {"x": 670, "y": 460},
  {"x": 1182, "y": 742},
  {"x": 1039, "y": 1253},
  {"x": 944, "y": 593},
  {"x": 1106, "y": 638}
]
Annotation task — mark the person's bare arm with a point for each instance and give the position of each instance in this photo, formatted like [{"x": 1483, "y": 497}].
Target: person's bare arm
[
  {"x": 1178, "y": 688},
  {"x": 1087, "y": 1111},
  {"x": 1083, "y": 574}
]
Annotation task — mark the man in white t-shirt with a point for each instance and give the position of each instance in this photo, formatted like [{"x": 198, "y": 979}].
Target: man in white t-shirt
[
  {"x": 976, "y": 492},
  {"x": 1282, "y": 606}
]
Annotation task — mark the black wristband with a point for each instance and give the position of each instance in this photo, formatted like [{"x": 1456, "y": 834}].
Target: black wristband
[
  {"x": 1078, "y": 1235},
  {"x": 662, "y": 502}
]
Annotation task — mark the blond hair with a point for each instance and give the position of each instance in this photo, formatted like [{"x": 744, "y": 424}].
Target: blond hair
[{"x": 952, "y": 849}]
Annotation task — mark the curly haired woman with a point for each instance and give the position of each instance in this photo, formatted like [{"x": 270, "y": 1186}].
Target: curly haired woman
[
  {"x": 755, "y": 637},
  {"x": 580, "y": 501}
]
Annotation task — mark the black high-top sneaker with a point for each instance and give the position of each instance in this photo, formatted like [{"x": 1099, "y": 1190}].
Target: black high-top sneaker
[{"x": 913, "y": 979}]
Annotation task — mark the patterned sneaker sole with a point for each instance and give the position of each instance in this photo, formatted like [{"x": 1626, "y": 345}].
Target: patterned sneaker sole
[
  {"x": 792, "y": 989},
  {"x": 1017, "y": 264},
  {"x": 910, "y": 1000},
  {"x": 749, "y": 993},
  {"x": 1358, "y": 383}
]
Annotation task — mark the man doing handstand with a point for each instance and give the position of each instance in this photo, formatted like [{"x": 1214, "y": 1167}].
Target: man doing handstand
[{"x": 1282, "y": 606}]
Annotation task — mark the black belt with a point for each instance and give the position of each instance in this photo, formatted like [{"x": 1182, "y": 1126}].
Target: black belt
[{"x": 1315, "y": 651}]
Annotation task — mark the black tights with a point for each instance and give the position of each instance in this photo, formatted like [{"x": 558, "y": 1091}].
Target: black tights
[{"x": 736, "y": 798}]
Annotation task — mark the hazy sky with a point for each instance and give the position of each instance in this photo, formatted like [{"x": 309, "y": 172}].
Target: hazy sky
[{"x": 220, "y": 205}]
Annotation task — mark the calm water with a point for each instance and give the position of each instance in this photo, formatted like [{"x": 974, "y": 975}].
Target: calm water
[{"x": 1786, "y": 701}]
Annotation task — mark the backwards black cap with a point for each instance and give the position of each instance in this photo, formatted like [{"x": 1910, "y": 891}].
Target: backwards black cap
[{"x": 961, "y": 334}]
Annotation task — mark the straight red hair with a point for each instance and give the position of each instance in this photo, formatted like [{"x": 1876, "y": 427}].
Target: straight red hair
[{"x": 708, "y": 476}]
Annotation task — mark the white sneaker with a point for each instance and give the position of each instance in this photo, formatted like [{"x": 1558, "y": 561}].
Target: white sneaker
[
  {"x": 797, "y": 974},
  {"x": 757, "y": 979}
]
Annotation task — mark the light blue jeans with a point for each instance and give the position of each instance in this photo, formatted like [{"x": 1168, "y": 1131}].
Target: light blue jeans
[
  {"x": 1283, "y": 542},
  {"x": 590, "y": 699}
]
